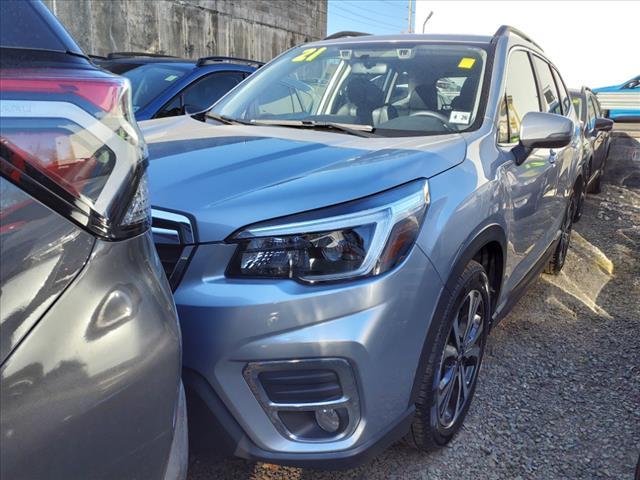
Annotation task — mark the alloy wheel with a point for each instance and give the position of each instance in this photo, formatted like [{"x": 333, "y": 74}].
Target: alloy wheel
[{"x": 460, "y": 361}]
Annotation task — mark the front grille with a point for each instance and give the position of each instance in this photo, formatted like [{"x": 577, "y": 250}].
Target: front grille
[
  {"x": 301, "y": 386},
  {"x": 173, "y": 235}
]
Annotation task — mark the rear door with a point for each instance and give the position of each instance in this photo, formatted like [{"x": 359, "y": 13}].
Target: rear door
[
  {"x": 556, "y": 100},
  {"x": 531, "y": 184}
]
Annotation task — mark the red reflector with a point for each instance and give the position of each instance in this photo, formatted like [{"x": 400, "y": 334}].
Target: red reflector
[{"x": 102, "y": 93}]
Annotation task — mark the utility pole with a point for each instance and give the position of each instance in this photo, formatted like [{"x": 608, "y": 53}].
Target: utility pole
[{"x": 410, "y": 30}]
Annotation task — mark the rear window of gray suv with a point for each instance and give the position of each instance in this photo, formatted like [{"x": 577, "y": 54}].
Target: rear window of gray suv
[{"x": 395, "y": 88}]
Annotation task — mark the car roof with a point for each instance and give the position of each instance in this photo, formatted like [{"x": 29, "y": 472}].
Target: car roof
[
  {"x": 365, "y": 39},
  {"x": 142, "y": 60}
]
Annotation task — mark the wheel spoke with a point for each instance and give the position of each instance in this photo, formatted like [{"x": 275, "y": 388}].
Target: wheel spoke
[
  {"x": 473, "y": 341},
  {"x": 474, "y": 303},
  {"x": 460, "y": 396},
  {"x": 448, "y": 391},
  {"x": 447, "y": 375},
  {"x": 456, "y": 332},
  {"x": 463, "y": 382}
]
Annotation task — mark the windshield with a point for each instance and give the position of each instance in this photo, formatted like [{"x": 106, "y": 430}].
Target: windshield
[
  {"x": 148, "y": 81},
  {"x": 397, "y": 88}
]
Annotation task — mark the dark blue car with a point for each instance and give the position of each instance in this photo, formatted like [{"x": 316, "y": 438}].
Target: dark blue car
[{"x": 164, "y": 86}]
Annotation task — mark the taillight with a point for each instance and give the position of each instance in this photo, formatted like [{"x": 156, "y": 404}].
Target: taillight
[{"x": 73, "y": 143}]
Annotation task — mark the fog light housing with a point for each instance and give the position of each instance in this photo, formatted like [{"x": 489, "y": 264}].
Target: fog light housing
[{"x": 328, "y": 419}]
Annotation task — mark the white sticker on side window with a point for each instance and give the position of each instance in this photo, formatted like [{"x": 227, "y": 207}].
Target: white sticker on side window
[{"x": 460, "y": 117}]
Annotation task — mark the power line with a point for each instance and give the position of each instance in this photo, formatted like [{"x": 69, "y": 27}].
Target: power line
[
  {"x": 353, "y": 3},
  {"x": 351, "y": 19},
  {"x": 359, "y": 15}
]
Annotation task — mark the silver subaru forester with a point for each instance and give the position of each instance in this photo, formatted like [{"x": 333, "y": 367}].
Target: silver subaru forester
[{"x": 344, "y": 228}]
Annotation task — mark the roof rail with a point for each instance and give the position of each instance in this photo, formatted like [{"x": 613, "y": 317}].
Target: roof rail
[
  {"x": 114, "y": 55},
  {"x": 505, "y": 30},
  {"x": 345, "y": 34},
  {"x": 216, "y": 58}
]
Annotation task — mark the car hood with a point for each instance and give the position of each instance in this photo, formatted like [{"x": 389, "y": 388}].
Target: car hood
[{"x": 230, "y": 176}]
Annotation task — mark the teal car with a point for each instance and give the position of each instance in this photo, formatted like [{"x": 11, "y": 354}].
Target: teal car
[{"x": 622, "y": 101}]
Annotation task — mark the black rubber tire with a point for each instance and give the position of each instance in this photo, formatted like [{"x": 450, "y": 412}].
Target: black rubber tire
[
  {"x": 560, "y": 254},
  {"x": 595, "y": 186},
  {"x": 426, "y": 432},
  {"x": 582, "y": 196}
]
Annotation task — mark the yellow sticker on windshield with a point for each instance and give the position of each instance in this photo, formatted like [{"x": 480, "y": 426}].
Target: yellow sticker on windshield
[
  {"x": 466, "y": 62},
  {"x": 309, "y": 54},
  {"x": 303, "y": 56},
  {"x": 316, "y": 54}
]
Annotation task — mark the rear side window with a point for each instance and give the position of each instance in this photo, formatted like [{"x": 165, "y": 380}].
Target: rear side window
[
  {"x": 202, "y": 93},
  {"x": 565, "y": 100},
  {"x": 521, "y": 97},
  {"x": 550, "y": 93},
  {"x": 22, "y": 27}
]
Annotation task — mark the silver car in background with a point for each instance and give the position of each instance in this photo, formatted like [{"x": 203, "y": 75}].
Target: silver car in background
[
  {"x": 347, "y": 225},
  {"x": 89, "y": 340}
]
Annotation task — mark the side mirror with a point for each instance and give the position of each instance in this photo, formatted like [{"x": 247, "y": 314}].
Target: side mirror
[
  {"x": 603, "y": 124},
  {"x": 542, "y": 130}
]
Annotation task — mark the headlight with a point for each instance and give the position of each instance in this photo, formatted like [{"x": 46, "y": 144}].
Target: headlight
[{"x": 355, "y": 239}]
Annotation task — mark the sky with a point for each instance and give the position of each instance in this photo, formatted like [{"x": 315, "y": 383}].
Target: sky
[
  {"x": 593, "y": 43},
  {"x": 371, "y": 16}
]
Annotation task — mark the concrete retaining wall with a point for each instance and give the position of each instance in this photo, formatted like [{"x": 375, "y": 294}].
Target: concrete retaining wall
[{"x": 257, "y": 29}]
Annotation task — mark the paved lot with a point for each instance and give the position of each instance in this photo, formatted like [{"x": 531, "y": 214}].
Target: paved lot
[{"x": 559, "y": 394}]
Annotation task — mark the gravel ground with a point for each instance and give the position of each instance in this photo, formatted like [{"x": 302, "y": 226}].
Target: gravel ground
[{"x": 559, "y": 393}]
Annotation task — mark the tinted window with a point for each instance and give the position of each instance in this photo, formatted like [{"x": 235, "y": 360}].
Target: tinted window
[
  {"x": 202, "y": 93},
  {"x": 548, "y": 86},
  {"x": 564, "y": 96},
  {"x": 521, "y": 97},
  {"x": 150, "y": 80}
]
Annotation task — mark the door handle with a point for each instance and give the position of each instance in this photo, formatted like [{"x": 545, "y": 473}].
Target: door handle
[{"x": 553, "y": 156}]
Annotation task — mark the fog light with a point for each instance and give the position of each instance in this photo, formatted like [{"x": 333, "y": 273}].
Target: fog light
[{"x": 328, "y": 419}]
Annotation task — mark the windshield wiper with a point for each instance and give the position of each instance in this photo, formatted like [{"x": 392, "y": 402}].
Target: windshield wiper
[
  {"x": 226, "y": 120},
  {"x": 350, "y": 128}
]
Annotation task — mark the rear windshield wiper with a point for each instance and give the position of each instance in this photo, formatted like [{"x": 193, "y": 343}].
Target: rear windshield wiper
[{"x": 350, "y": 128}]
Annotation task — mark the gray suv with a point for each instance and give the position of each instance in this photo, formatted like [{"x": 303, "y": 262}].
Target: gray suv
[
  {"x": 348, "y": 224},
  {"x": 89, "y": 339}
]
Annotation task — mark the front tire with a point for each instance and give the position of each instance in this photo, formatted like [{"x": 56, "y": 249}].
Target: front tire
[{"x": 449, "y": 381}]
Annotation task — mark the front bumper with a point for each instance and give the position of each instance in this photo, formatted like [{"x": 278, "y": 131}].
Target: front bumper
[{"x": 377, "y": 325}]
